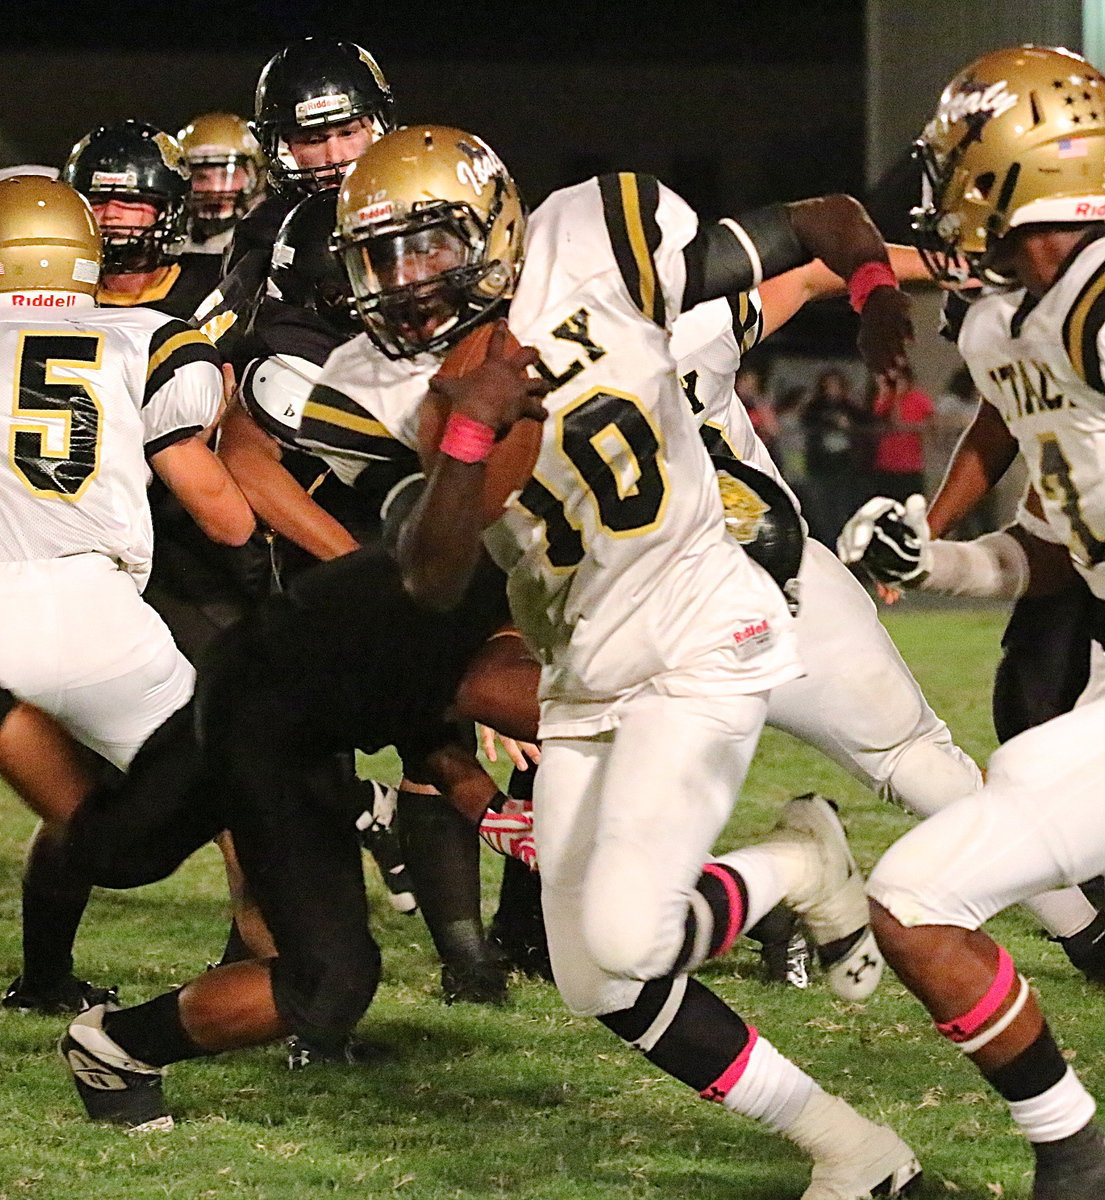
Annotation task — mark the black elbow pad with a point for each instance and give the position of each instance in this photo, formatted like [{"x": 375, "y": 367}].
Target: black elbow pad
[{"x": 734, "y": 255}]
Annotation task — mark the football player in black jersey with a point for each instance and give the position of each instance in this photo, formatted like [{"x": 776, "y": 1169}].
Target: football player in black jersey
[
  {"x": 319, "y": 103},
  {"x": 136, "y": 178}
]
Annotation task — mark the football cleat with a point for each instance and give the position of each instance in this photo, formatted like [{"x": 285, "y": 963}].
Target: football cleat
[
  {"x": 1086, "y": 949},
  {"x": 67, "y": 995},
  {"x": 1072, "y": 1168},
  {"x": 884, "y": 1167},
  {"x": 474, "y": 983},
  {"x": 784, "y": 948},
  {"x": 113, "y": 1086},
  {"x": 831, "y": 898}
]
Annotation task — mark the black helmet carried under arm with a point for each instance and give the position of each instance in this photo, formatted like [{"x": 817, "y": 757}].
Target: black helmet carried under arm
[
  {"x": 136, "y": 163},
  {"x": 306, "y": 272},
  {"x": 311, "y": 84}
]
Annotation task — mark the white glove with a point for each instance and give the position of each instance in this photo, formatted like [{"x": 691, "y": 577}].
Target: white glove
[{"x": 890, "y": 540}]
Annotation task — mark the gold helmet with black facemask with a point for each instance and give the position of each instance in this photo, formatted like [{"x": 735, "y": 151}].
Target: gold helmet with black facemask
[
  {"x": 1018, "y": 138},
  {"x": 429, "y": 229}
]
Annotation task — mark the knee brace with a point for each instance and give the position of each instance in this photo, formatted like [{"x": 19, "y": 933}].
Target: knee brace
[{"x": 964, "y": 1030}]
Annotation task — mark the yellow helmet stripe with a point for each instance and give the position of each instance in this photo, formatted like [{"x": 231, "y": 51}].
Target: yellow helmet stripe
[{"x": 334, "y": 416}]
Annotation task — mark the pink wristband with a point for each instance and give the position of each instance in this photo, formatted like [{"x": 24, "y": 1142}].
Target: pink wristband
[
  {"x": 866, "y": 278},
  {"x": 465, "y": 439}
]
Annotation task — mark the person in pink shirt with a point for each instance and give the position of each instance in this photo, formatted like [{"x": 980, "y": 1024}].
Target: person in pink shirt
[{"x": 899, "y": 453}]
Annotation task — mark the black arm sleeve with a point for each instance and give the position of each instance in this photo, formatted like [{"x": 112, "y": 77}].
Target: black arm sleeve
[{"x": 720, "y": 263}]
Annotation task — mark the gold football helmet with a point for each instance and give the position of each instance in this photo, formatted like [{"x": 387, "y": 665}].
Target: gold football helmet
[
  {"x": 429, "y": 229},
  {"x": 227, "y": 170},
  {"x": 49, "y": 238},
  {"x": 1018, "y": 138}
]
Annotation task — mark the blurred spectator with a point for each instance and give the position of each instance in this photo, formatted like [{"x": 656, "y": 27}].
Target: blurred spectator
[
  {"x": 751, "y": 387},
  {"x": 838, "y": 447},
  {"x": 790, "y": 443},
  {"x": 904, "y": 412}
]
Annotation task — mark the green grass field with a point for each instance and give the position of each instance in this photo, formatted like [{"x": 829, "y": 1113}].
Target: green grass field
[{"x": 524, "y": 1101}]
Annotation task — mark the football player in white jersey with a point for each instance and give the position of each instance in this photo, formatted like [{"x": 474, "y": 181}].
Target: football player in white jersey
[
  {"x": 1015, "y": 168},
  {"x": 659, "y": 638},
  {"x": 873, "y": 719},
  {"x": 97, "y": 399}
]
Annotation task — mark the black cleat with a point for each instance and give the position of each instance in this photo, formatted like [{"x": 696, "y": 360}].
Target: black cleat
[
  {"x": 113, "y": 1086},
  {"x": 474, "y": 983},
  {"x": 303, "y": 1053},
  {"x": 67, "y": 995},
  {"x": 784, "y": 948},
  {"x": 1086, "y": 949},
  {"x": 1072, "y": 1168}
]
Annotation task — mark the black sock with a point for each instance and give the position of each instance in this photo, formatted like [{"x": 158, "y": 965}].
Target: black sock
[
  {"x": 55, "y": 894},
  {"x": 442, "y": 853},
  {"x": 1037, "y": 1068},
  {"x": 701, "y": 1040},
  {"x": 152, "y": 1032},
  {"x": 719, "y": 898},
  {"x": 236, "y": 949}
]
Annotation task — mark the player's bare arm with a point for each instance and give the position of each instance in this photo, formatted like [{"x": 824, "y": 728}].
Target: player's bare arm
[
  {"x": 982, "y": 457},
  {"x": 440, "y": 544},
  {"x": 190, "y": 470},
  {"x": 253, "y": 458},
  {"x": 783, "y": 296}
]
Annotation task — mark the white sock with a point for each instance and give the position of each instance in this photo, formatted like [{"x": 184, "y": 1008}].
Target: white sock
[
  {"x": 772, "y": 1090},
  {"x": 763, "y": 869},
  {"x": 1057, "y": 1113}
]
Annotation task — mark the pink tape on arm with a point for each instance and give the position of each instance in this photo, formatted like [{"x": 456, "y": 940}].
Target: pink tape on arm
[{"x": 965, "y": 1027}]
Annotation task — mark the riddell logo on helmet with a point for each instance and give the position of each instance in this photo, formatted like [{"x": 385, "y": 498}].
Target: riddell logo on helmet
[
  {"x": 381, "y": 210},
  {"x": 313, "y": 109},
  {"x": 1090, "y": 212},
  {"x": 42, "y": 300},
  {"x": 105, "y": 180}
]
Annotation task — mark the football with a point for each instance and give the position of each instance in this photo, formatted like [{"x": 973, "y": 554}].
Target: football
[{"x": 511, "y": 461}]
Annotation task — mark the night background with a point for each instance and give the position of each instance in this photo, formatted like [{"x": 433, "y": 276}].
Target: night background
[{"x": 734, "y": 103}]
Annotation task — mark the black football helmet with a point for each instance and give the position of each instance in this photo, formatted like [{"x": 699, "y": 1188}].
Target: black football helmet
[
  {"x": 306, "y": 272},
  {"x": 134, "y": 162},
  {"x": 311, "y": 84}
]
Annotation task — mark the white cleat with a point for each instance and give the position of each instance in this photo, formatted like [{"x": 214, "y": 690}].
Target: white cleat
[
  {"x": 886, "y": 1167},
  {"x": 831, "y": 897}
]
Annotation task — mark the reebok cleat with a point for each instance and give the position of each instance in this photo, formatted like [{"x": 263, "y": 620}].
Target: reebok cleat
[{"x": 113, "y": 1086}]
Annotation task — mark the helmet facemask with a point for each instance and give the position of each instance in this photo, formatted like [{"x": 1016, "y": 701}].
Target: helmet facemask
[
  {"x": 138, "y": 249},
  {"x": 305, "y": 181},
  {"x": 419, "y": 285},
  {"x": 212, "y": 210}
]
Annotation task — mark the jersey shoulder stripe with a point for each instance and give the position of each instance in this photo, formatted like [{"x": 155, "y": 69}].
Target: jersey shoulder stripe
[
  {"x": 332, "y": 419},
  {"x": 1082, "y": 327},
  {"x": 174, "y": 345},
  {"x": 748, "y": 324},
  {"x": 629, "y": 205}
]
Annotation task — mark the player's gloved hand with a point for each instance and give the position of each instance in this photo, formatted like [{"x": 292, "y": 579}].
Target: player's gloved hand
[
  {"x": 510, "y": 832},
  {"x": 890, "y": 540}
]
